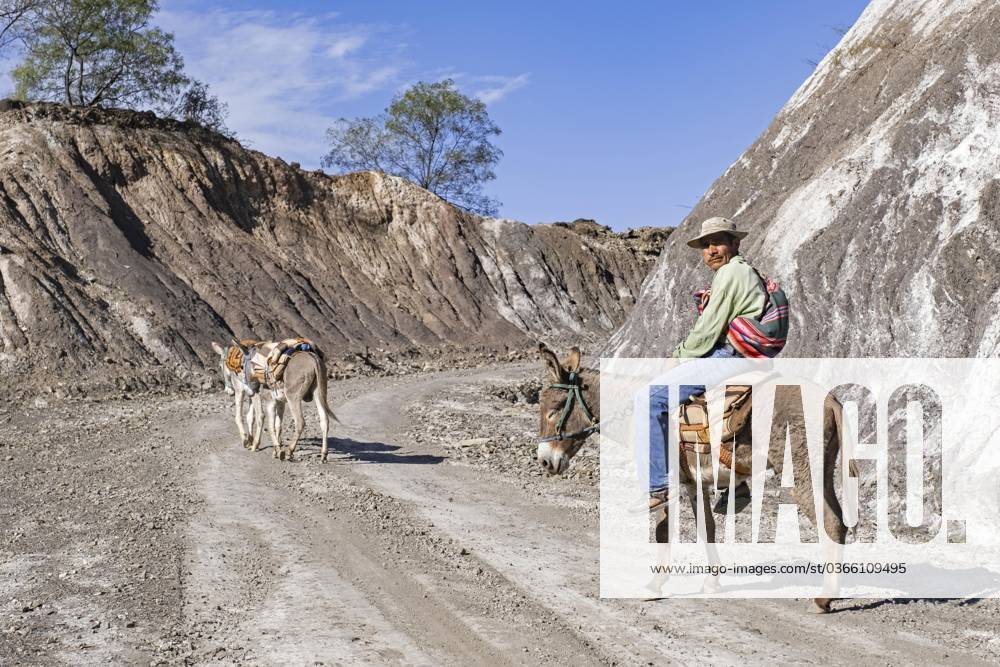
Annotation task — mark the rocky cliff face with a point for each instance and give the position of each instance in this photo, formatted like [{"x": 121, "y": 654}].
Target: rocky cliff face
[
  {"x": 129, "y": 240},
  {"x": 873, "y": 197}
]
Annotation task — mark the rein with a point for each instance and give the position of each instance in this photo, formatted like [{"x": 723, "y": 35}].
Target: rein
[{"x": 573, "y": 395}]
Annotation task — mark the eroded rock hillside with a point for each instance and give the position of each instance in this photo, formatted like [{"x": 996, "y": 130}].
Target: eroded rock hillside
[
  {"x": 874, "y": 196},
  {"x": 132, "y": 241}
]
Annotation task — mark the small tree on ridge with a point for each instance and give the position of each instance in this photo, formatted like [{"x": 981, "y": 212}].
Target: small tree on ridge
[{"x": 432, "y": 135}]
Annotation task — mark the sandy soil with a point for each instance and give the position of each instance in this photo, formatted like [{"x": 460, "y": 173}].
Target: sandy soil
[{"x": 140, "y": 532}]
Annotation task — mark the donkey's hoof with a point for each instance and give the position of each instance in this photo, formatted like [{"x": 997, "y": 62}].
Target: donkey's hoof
[
  {"x": 820, "y": 606},
  {"x": 281, "y": 455},
  {"x": 711, "y": 585},
  {"x": 322, "y": 459}
]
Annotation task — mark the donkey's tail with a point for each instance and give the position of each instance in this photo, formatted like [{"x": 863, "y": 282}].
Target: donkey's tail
[
  {"x": 852, "y": 465},
  {"x": 321, "y": 394}
]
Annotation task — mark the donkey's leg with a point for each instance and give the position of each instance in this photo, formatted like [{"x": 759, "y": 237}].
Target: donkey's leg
[
  {"x": 831, "y": 521},
  {"x": 273, "y": 409},
  {"x": 655, "y": 585},
  {"x": 295, "y": 405},
  {"x": 251, "y": 420},
  {"x": 258, "y": 422},
  {"x": 711, "y": 582},
  {"x": 833, "y": 524},
  {"x": 833, "y": 514},
  {"x": 279, "y": 419},
  {"x": 322, "y": 407},
  {"x": 324, "y": 423},
  {"x": 803, "y": 494},
  {"x": 244, "y": 439},
  {"x": 805, "y": 499},
  {"x": 833, "y": 552}
]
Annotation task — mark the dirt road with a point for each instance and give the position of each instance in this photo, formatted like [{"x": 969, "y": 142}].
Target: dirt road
[{"x": 140, "y": 532}]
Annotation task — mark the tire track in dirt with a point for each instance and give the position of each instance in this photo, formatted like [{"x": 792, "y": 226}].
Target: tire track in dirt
[{"x": 287, "y": 593}]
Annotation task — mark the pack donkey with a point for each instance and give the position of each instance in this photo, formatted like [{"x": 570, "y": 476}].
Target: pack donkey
[
  {"x": 303, "y": 379},
  {"x": 562, "y": 434},
  {"x": 247, "y": 422}
]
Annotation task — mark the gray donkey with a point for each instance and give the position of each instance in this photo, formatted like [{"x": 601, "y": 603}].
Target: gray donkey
[{"x": 304, "y": 379}]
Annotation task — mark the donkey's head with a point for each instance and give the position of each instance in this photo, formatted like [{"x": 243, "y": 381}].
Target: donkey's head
[{"x": 569, "y": 409}]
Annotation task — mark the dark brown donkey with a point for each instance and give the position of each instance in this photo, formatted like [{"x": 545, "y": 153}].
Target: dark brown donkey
[{"x": 570, "y": 411}]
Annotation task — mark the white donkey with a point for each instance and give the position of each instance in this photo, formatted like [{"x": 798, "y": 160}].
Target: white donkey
[{"x": 248, "y": 422}]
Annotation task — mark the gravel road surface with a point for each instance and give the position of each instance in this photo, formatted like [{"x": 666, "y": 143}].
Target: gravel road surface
[{"x": 140, "y": 532}]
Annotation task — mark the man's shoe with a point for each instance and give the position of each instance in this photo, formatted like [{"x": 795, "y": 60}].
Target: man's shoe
[
  {"x": 658, "y": 499},
  {"x": 743, "y": 499}
]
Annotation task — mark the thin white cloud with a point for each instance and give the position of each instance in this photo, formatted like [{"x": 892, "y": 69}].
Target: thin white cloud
[
  {"x": 282, "y": 75},
  {"x": 370, "y": 81},
  {"x": 489, "y": 88},
  {"x": 498, "y": 87},
  {"x": 346, "y": 44}
]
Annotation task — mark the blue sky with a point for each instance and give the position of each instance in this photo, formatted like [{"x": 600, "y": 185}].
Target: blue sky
[{"x": 623, "y": 113}]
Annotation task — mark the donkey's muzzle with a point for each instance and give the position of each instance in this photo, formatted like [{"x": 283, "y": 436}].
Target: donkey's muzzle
[{"x": 554, "y": 462}]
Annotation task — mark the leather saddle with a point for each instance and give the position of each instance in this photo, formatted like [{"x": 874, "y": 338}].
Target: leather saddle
[{"x": 693, "y": 424}]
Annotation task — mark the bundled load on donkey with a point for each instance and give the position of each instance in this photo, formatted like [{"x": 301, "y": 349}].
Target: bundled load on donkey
[{"x": 263, "y": 363}]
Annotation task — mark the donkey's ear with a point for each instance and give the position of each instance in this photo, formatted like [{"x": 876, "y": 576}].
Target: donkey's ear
[
  {"x": 556, "y": 372},
  {"x": 572, "y": 363},
  {"x": 218, "y": 348}
]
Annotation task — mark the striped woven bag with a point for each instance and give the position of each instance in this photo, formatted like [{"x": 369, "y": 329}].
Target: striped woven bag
[{"x": 757, "y": 338}]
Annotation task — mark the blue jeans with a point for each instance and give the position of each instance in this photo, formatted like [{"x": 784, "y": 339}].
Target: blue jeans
[{"x": 692, "y": 378}]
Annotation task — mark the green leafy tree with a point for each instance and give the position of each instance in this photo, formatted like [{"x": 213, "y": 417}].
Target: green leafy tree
[
  {"x": 99, "y": 53},
  {"x": 196, "y": 104},
  {"x": 431, "y": 134}
]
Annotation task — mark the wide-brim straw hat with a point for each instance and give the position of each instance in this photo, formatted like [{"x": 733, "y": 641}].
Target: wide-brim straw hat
[{"x": 714, "y": 226}]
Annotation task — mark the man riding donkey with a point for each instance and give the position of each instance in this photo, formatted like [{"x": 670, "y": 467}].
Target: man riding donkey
[{"x": 742, "y": 316}]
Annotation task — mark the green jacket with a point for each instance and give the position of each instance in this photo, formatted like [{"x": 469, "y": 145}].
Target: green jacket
[{"x": 736, "y": 292}]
